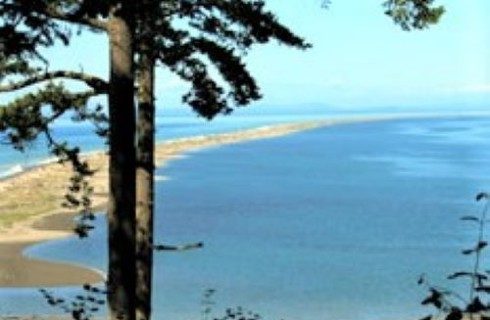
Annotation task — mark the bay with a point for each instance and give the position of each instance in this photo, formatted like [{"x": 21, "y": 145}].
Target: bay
[{"x": 337, "y": 222}]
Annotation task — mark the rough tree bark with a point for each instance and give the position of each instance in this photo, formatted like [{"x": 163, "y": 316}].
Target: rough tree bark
[
  {"x": 121, "y": 212},
  {"x": 144, "y": 187},
  {"x": 145, "y": 162}
]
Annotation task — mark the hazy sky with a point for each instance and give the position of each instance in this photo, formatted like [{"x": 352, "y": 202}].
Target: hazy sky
[{"x": 359, "y": 59}]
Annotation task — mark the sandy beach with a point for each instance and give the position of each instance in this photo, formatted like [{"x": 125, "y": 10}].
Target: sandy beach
[{"x": 31, "y": 211}]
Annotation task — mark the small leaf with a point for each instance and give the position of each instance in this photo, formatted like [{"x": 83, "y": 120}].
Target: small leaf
[
  {"x": 481, "y": 195},
  {"x": 467, "y": 251},
  {"x": 434, "y": 298},
  {"x": 455, "y": 314},
  {"x": 475, "y": 306},
  {"x": 481, "y": 245},
  {"x": 459, "y": 274},
  {"x": 470, "y": 218}
]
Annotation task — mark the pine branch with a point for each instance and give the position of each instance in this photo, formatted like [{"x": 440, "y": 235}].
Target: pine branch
[
  {"x": 99, "y": 86},
  {"x": 83, "y": 20},
  {"x": 185, "y": 247},
  {"x": 23, "y": 119},
  {"x": 413, "y": 14},
  {"x": 52, "y": 11}
]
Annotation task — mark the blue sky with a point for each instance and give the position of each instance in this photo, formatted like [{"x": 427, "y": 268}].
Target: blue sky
[{"x": 360, "y": 59}]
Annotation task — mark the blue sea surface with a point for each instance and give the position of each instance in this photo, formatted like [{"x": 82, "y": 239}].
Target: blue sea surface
[
  {"x": 170, "y": 124},
  {"x": 332, "y": 223}
]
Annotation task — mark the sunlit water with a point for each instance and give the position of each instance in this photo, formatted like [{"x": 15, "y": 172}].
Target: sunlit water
[
  {"x": 334, "y": 223},
  {"x": 171, "y": 124}
]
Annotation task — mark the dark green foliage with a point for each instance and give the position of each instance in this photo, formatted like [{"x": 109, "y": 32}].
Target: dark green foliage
[
  {"x": 83, "y": 306},
  {"x": 28, "y": 116},
  {"x": 453, "y": 305},
  {"x": 26, "y": 27},
  {"x": 455, "y": 314},
  {"x": 202, "y": 41},
  {"x": 31, "y": 115},
  {"x": 237, "y": 313},
  {"x": 435, "y": 298},
  {"x": 481, "y": 196},
  {"x": 413, "y": 14},
  {"x": 240, "y": 314},
  {"x": 215, "y": 34}
]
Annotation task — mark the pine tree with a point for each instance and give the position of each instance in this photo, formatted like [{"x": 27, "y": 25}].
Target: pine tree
[
  {"x": 227, "y": 30},
  {"x": 29, "y": 26},
  {"x": 413, "y": 14},
  {"x": 212, "y": 34}
]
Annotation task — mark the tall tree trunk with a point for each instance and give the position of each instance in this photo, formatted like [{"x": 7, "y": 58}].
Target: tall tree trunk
[
  {"x": 145, "y": 159},
  {"x": 144, "y": 187},
  {"x": 121, "y": 208},
  {"x": 145, "y": 179}
]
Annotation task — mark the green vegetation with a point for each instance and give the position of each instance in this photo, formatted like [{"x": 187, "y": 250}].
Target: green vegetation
[
  {"x": 216, "y": 35},
  {"x": 454, "y": 305}
]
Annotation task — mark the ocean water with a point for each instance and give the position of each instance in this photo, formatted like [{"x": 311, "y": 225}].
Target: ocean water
[
  {"x": 333, "y": 223},
  {"x": 171, "y": 124}
]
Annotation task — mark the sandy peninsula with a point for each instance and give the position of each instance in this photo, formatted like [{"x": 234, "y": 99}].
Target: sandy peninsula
[{"x": 31, "y": 211}]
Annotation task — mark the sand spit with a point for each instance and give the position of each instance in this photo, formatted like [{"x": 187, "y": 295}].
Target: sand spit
[{"x": 30, "y": 210}]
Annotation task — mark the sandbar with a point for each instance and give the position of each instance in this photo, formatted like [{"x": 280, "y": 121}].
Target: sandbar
[{"x": 31, "y": 211}]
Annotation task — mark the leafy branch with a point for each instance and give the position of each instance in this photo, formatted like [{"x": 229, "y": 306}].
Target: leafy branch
[
  {"x": 99, "y": 85},
  {"x": 451, "y": 304}
]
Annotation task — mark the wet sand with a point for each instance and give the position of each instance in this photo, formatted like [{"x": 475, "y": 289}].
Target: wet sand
[
  {"x": 31, "y": 211},
  {"x": 35, "y": 195}
]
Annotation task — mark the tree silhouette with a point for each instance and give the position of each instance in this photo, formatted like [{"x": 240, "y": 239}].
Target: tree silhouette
[
  {"x": 413, "y": 14},
  {"x": 27, "y": 27},
  {"x": 215, "y": 32},
  {"x": 214, "y": 35}
]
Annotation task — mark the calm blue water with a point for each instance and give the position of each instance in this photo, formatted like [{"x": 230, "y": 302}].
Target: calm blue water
[
  {"x": 334, "y": 223},
  {"x": 171, "y": 124}
]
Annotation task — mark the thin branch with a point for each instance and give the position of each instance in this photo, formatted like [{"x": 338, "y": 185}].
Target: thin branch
[
  {"x": 55, "y": 13},
  {"x": 481, "y": 230},
  {"x": 85, "y": 21},
  {"x": 81, "y": 95},
  {"x": 185, "y": 247},
  {"x": 99, "y": 85}
]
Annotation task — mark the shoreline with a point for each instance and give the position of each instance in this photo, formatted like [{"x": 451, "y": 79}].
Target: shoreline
[{"x": 50, "y": 221}]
